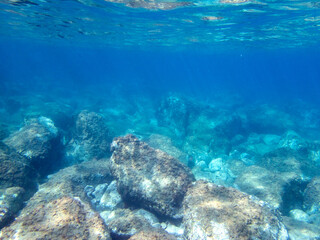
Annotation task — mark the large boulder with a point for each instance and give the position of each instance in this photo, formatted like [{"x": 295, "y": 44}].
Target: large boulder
[
  {"x": 72, "y": 181},
  {"x": 164, "y": 143},
  {"x": 18, "y": 182},
  {"x": 67, "y": 183},
  {"x": 91, "y": 138},
  {"x": 273, "y": 188},
  {"x": 149, "y": 177},
  {"x": 11, "y": 201},
  {"x": 38, "y": 141},
  {"x": 312, "y": 196},
  {"x": 216, "y": 212},
  {"x": 15, "y": 170},
  {"x": 63, "y": 218}
]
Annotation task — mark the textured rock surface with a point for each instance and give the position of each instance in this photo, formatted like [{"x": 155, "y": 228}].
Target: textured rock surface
[
  {"x": 312, "y": 196},
  {"x": 214, "y": 212},
  {"x": 299, "y": 230},
  {"x": 63, "y": 218},
  {"x": 11, "y": 201},
  {"x": 149, "y": 177},
  {"x": 68, "y": 183},
  {"x": 38, "y": 142},
  {"x": 91, "y": 138},
  {"x": 152, "y": 234},
  {"x": 165, "y": 144},
  {"x": 15, "y": 170},
  {"x": 104, "y": 196},
  {"x": 263, "y": 184},
  {"x": 124, "y": 223},
  {"x": 71, "y": 182}
]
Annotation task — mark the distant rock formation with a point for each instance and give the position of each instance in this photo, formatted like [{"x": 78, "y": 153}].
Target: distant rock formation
[{"x": 91, "y": 138}]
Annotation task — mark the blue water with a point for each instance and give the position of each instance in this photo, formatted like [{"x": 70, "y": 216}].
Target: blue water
[
  {"x": 277, "y": 74},
  {"x": 254, "y": 48}
]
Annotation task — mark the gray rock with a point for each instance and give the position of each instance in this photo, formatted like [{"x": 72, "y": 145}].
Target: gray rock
[
  {"x": 152, "y": 234},
  {"x": 282, "y": 191},
  {"x": 148, "y": 177},
  {"x": 124, "y": 223},
  {"x": 105, "y": 196},
  {"x": 71, "y": 181},
  {"x": 151, "y": 218},
  {"x": 216, "y": 212},
  {"x": 11, "y": 201},
  {"x": 263, "y": 184},
  {"x": 299, "y": 230},
  {"x": 311, "y": 199},
  {"x": 299, "y": 215},
  {"x": 177, "y": 231}
]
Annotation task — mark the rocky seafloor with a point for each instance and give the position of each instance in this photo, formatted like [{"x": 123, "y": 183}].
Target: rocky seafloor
[{"x": 174, "y": 167}]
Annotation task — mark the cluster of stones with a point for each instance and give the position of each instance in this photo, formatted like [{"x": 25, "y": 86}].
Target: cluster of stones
[
  {"x": 141, "y": 192},
  {"x": 66, "y": 206}
]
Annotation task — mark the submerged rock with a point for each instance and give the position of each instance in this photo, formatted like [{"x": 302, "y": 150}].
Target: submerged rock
[
  {"x": 282, "y": 191},
  {"x": 148, "y": 177},
  {"x": 299, "y": 215},
  {"x": 15, "y": 170},
  {"x": 152, "y": 234},
  {"x": 124, "y": 223},
  {"x": 38, "y": 142},
  {"x": 299, "y": 230},
  {"x": 71, "y": 182},
  {"x": 268, "y": 119},
  {"x": 165, "y": 144},
  {"x": 175, "y": 112},
  {"x": 311, "y": 199},
  {"x": 63, "y": 218},
  {"x": 215, "y": 212},
  {"x": 104, "y": 196},
  {"x": 11, "y": 201},
  {"x": 91, "y": 138},
  {"x": 263, "y": 184},
  {"x": 68, "y": 183}
]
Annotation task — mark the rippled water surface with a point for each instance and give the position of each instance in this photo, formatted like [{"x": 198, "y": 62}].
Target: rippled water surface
[{"x": 236, "y": 23}]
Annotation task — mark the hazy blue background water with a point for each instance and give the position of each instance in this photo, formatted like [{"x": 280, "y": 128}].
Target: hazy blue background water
[{"x": 255, "y": 74}]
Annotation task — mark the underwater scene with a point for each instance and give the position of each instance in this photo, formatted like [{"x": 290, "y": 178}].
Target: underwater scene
[{"x": 159, "y": 119}]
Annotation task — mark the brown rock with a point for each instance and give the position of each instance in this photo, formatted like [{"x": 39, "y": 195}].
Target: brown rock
[
  {"x": 149, "y": 177},
  {"x": 63, "y": 218},
  {"x": 15, "y": 171}
]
